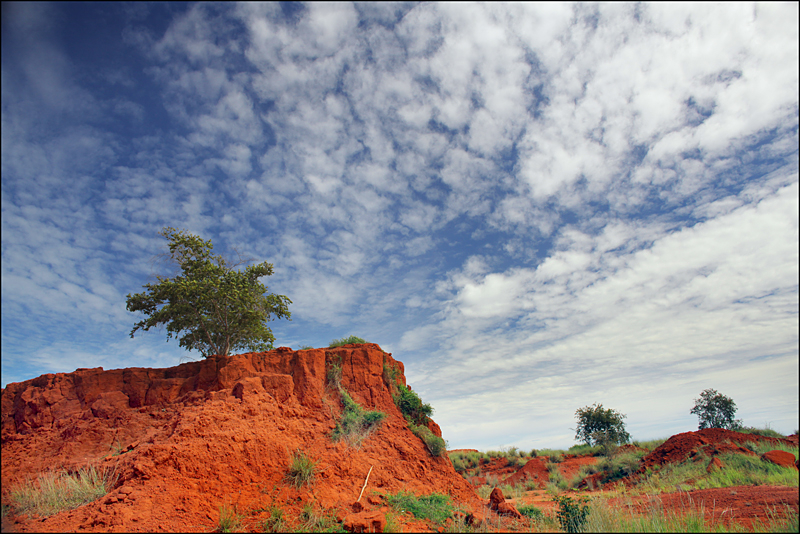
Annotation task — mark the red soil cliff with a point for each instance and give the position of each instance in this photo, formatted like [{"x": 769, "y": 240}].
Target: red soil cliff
[{"x": 186, "y": 440}]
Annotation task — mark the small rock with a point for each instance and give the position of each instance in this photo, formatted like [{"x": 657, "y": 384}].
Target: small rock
[
  {"x": 715, "y": 463},
  {"x": 365, "y": 522},
  {"x": 475, "y": 519}
]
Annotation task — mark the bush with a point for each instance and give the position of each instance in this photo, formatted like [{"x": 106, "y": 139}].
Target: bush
[
  {"x": 345, "y": 341},
  {"x": 715, "y": 410},
  {"x": 412, "y": 407},
  {"x": 531, "y": 511},
  {"x": 571, "y": 513},
  {"x": 302, "y": 470},
  {"x": 356, "y": 423},
  {"x": 435, "y": 444},
  {"x": 600, "y": 426}
]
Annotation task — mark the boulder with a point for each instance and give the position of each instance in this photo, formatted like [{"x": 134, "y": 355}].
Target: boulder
[{"x": 781, "y": 458}]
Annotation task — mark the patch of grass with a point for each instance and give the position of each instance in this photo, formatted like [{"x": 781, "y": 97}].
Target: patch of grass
[
  {"x": 583, "y": 449},
  {"x": 766, "y": 432},
  {"x": 229, "y": 519},
  {"x": 318, "y": 521},
  {"x": 650, "y": 445},
  {"x": 345, "y": 341},
  {"x": 302, "y": 470},
  {"x": 54, "y": 492},
  {"x": 531, "y": 511},
  {"x": 762, "y": 447},
  {"x": 356, "y": 423},
  {"x": 620, "y": 465},
  {"x": 741, "y": 470},
  {"x": 392, "y": 523},
  {"x": 583, "y": 472},
  {"x": 604, "y": 518},
  {"x": 435, "y": 507},
  {"x": 275, "y": 522},
  {"x": 305, "y": 347}
]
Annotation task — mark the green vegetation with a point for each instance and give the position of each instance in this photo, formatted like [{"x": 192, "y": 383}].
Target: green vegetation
[
  {"x": 738, "y": 469},
  {"x": 54, "y": 492},
  {"x": 620, "y": 465},
  {"x": 412, "y": 407},
  {"x": 650, "y": 445},
  {"x": 318, "y": 521},
  {"x": 436, "y": 506},
  {"x": 302, "y": 470},
  {"x": 275, "y": 522},
  {"x": 572, "y": 513},
  {"x": 345, "y": 341},
  {"x": 218, "y": 308},
  {"x": 436, "y": 445},
  {"x": 356, "y": 423},
  {"x": 601, "y": 426},
  {"x": 229, "y": 519},
  {"x": 715, "y": 410},
  {"x": 766, "y": 432},
  {"x": 531, "y": 511}
]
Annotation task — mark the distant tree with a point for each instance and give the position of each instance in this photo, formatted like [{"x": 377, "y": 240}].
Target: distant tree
[
  {"x": 600, "y": 426},
  {"x": 715, "y": 410},
  {"x": 213, "y": 307}
]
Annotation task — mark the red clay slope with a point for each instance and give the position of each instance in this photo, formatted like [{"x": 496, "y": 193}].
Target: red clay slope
[{"x": 215, "y": 432}]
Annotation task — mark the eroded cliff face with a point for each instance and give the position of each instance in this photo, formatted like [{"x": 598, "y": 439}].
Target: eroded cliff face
[{"x": 185, "y": 440}]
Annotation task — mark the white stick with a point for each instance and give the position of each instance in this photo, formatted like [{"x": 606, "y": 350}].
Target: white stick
[{"x": 365, "y": 484}]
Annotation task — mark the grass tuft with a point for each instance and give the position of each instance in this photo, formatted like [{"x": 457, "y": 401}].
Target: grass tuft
[
  {"x": 55, "y": 492},
  {"x": 302, "y": 470}
]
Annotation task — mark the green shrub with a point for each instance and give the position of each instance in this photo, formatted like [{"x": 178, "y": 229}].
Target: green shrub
[
  {"x": 435, "y": 444},
  {"x": 531, "y": 511},
  {"x": 345, "y": 341},
  {"x": 620, "y": 466},
  {"x": 436, "y": 506},
  {"x": 54, "y": 492},
  {"x": 356, "y": 423},
  {"x": 571, "y": 513},
  {"x": 412, "y": 407},
  {"x": 302, "y": 469}
]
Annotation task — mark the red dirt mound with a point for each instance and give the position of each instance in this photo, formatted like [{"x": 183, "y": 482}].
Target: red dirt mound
[
  {"x": 711, "y": 441},
  {"x": 535, "y": 470},
  {"x": 189, "y": 439}
]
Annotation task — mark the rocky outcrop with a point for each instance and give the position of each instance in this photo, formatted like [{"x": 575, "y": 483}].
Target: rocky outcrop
[{"x": 186, "y": 440}]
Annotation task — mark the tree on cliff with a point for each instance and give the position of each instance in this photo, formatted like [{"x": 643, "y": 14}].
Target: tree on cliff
[
  {"x": 600, "y": 426},
  {"x": 715, "y": 410},
  {"x": 213, "y": 307}
]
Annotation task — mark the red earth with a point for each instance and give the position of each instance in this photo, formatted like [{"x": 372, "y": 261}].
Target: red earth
[{"x": 185, "y": 441}]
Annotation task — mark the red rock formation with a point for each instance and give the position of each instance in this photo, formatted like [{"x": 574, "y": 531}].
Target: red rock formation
[
  {"x": 498, "y": 504},
  {"x": 186, "y": 440},
  {"x": 782, "y": 458}
]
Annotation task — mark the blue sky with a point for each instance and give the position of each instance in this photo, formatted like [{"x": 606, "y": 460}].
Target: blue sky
[{"x": 535, "y": 207}]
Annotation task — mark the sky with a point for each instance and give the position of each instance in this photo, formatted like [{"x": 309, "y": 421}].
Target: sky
[{"x": 535, "y": 207}]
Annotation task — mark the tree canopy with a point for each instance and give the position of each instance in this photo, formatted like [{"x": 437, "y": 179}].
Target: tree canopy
[
  {"x": 600, "y": 426},
  {"x": 715, "y": 410},
  {"x": 213, "y": 307}
]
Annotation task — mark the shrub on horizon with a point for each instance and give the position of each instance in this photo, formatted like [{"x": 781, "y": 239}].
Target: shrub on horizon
[{"x": 345, "y": 341}]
